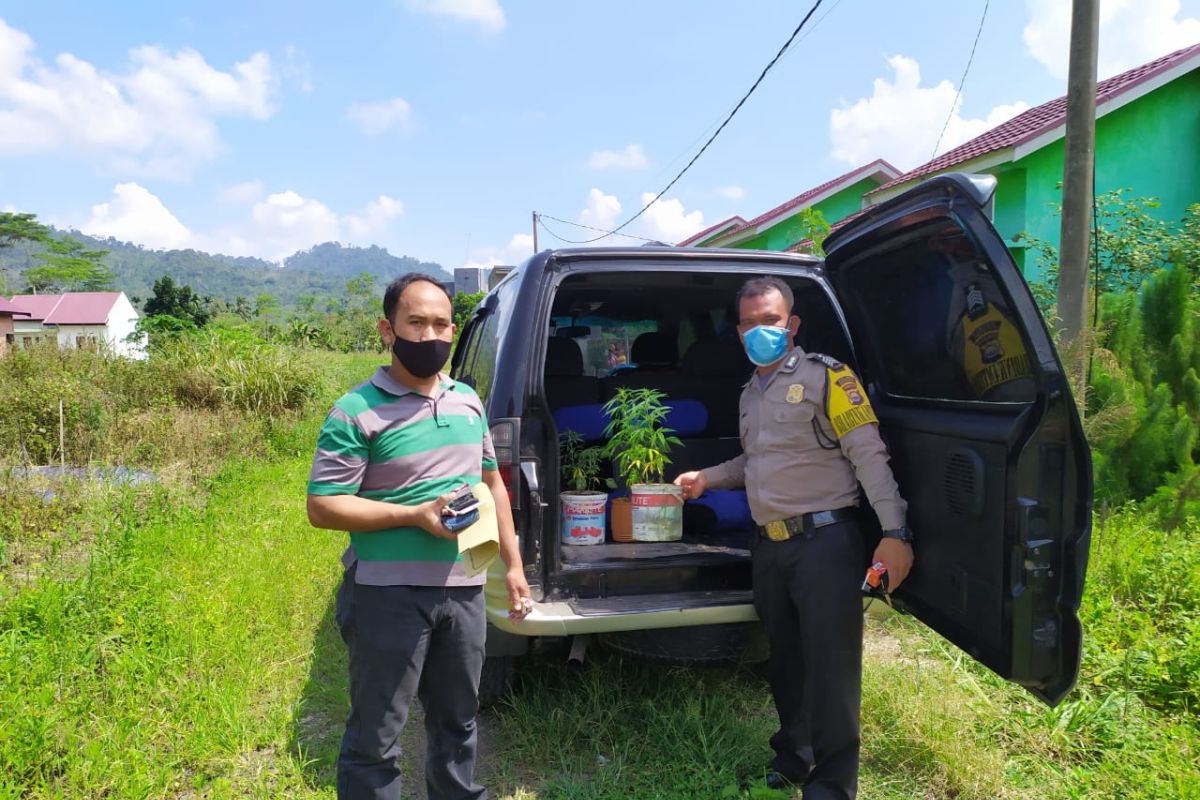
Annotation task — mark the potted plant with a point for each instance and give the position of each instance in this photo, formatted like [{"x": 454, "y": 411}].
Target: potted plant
[
  {"x": 583, "y": 515},
  {"x": 639, "y": 443}
]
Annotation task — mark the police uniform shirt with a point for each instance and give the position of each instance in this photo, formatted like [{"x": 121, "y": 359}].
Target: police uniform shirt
[{"x": 809, "y": 438}]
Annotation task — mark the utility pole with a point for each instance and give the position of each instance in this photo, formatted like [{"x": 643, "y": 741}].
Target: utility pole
[
  {"x": 1078, "y": 163},
  {"x": 534, "y": 232}
]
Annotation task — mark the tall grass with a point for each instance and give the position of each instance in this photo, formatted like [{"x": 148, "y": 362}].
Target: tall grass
[{"x": 187, "y": 650}]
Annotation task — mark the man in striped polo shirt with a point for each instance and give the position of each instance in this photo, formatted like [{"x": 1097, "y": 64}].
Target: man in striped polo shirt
[{"x": 389, "y": 456}]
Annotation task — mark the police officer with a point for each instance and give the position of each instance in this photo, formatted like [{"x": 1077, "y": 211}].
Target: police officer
[{"x": 809, "y": 438}]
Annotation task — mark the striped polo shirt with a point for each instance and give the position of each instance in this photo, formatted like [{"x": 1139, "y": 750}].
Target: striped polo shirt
[{"x": 387, "y": 442}]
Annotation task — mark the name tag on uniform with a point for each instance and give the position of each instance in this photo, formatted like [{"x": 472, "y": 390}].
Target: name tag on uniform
[{"x": 795, "y": 393}]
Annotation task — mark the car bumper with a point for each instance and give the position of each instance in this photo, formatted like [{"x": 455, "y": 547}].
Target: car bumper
[{"x": 560, "y": 619}]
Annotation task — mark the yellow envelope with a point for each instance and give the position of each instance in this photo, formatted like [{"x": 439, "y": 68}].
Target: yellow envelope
[{"x": 479, "y": 543}]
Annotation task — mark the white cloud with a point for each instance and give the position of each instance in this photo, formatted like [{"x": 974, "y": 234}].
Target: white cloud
[
  {"x": 136, "y": 215},
  {"x": 375, "y": 218},
  {"x": 901, "y": 120},
  {"x": 1132, "y": 32},
  {"x": 731, "y": 192},
  {"x": 296, "y": 69},
  {"x": 601, "y": 212},
  {"x": 275, "y": 227},
  {"x": 632, "y": 157},
  {"x": 666, "y": 221},
  {"x": 374, "y": 119},
  {"x": 286, "y": 222},
  {"x": 156, "y": 117},
  {"x": 519, "y": 248},
  {"x": 487, "y": 14},
  {"x": 242, "y": 193}
]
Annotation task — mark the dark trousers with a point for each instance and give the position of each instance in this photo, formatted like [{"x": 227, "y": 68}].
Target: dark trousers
[
  {"x": 807, "y": 591},
  {"x": 407, "y": 641}
]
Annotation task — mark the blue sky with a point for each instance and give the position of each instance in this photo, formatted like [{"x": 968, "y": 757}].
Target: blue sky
[{"x": 434, "y": 127}]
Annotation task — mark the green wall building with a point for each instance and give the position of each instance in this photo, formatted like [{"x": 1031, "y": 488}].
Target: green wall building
[
  {"x": 784, "y": 227},
  {"x": 1147, "y": 141}
]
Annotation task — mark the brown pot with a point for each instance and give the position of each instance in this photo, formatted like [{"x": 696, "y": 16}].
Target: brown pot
[{"x": 622, "y": 519}]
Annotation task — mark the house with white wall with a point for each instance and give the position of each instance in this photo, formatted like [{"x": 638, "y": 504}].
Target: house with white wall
[
  {"x": 8, "y": 313},
  {"x": 103, "y": 320}
]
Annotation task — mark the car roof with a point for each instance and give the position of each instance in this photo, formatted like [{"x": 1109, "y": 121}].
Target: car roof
[{"x": 723, "y": 254}]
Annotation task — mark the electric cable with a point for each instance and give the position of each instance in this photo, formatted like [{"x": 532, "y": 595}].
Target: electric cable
[
  {"x": 962, "y": 81},
  {"x": 717, "y": 133},
  {"x": 588, "y": 227},
  {"x": 683, "y": 152}
]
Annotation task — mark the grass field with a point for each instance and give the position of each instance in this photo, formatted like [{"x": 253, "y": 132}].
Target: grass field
[{"x": 184, "y": 648}]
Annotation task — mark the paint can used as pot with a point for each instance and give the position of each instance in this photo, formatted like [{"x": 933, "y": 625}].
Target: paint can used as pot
[
  {"x": 583, "y": 517},
  {"x": 657, "y": 512}
]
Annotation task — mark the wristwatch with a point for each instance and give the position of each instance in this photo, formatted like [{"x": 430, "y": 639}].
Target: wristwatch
[{"x": 903, "y": 534}]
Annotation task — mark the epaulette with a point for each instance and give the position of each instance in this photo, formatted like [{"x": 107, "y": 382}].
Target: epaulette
[{"x": 828, "y": 361}]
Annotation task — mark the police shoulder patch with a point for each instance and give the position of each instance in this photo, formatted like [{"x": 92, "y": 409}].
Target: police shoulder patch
[
  {"x": 828, "y": 361},
  {"x": 848, "y": 406}
]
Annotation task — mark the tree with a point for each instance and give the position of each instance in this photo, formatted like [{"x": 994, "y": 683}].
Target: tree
[
  {"x": 464, "y": 304},
  {"x": 812, "y": 229},
  {"x": 179, "y": 302},
  {"x": 358, "y": 317},
  {"x": 19, "y": 227},
  {"x": 65, "y": 265}
]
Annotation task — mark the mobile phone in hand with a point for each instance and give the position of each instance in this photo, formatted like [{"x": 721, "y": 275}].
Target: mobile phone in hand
[
  {"x": 461, "y": 510},
  {"x": 462, "y": 501}
]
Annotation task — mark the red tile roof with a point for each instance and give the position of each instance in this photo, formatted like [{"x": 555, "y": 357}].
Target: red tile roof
[
  {"x": 810, "y": 196},
  {"x": 11, "y": 309},
  {"x": 73, "y": 308},
  {"x": 1044, "y": 118},
  {"x": 37, "y": 306},
  {"x": 699, "y": 237}
]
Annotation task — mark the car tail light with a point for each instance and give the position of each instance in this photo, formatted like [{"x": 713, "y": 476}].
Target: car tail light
[{"x": 505, "y": 440}]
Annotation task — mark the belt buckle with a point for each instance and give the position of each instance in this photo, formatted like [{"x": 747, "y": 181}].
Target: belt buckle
[{"x": 777, "y": 531}]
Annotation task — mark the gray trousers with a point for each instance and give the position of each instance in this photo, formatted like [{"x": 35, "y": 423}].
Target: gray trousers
[
  {"x": 407, "y": 641},
  {"x": 807, "y": 591}
]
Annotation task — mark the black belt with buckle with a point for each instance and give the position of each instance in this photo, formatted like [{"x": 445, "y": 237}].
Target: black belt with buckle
[{"x": 784, "y": 529}]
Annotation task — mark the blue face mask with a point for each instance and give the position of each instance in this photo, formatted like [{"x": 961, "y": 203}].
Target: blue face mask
[{"x": 766, "y": 344}]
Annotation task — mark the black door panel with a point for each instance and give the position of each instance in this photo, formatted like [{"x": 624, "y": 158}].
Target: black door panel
[
  {"x": 955, "y": 485},
  {"x": 985, "y": 439}
]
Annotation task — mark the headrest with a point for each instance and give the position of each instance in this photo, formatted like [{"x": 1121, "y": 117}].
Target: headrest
[
  {"x": 684, "y": 418},
  {"x": 715, "y": 358},
  {"x": 654, "y": 349},
  {"x": 564, "y": 359}
]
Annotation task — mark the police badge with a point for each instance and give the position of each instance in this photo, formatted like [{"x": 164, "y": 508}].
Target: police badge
[{"x": 795, "y": 393}]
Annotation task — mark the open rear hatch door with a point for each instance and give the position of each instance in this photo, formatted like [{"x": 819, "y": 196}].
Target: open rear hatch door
[{"x": 985, "y": 438}]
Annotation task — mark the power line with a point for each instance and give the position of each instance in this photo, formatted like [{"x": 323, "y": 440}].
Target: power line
[
  {"x": 605, "y": 231},
  {"x": 962, "y": 80},
  {"x": 717, "y": 133},
  {"x": 809, "y": 32}
]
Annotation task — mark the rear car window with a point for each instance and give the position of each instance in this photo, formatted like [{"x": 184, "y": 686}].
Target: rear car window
[{"x": 940, "y": 325}]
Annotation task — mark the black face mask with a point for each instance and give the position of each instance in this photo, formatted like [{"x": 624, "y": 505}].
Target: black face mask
[{"x": 422, "y": 359}]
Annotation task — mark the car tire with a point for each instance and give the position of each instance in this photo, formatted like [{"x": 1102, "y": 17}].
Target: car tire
[{"x": 496, "y": 680}]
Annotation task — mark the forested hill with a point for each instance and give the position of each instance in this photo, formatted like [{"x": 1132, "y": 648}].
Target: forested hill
[{"x": 320, "y": 271}]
